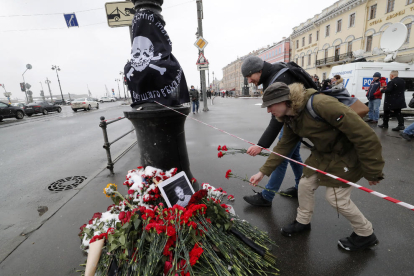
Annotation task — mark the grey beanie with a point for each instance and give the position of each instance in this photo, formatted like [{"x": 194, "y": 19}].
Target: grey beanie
[
  {"x": 251, "y": 65},
  {"x": 377, "y": 75},
  {"x": 275, "y": 93}
]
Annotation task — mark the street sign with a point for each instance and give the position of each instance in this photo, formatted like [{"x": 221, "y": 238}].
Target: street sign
[
  {"x": 7, "y": 94},
  {"x": 28, "y": 85},
  {"x": 201, "y": 43},
  {"x": 202, "y": 67},
  {"x": 202, "y": 60},
  {"x": 119, "y": 14},
  {"x": 71, "y": 20}
]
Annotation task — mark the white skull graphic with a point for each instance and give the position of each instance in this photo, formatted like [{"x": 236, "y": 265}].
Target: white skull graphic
[{"x": 142, "y": 53}]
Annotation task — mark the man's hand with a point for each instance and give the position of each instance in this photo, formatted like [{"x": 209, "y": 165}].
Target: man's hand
[
  {"x": 254, "y": 150},
  {"x": 255, "y": 179},
  {"x": 373, "y": 182}
]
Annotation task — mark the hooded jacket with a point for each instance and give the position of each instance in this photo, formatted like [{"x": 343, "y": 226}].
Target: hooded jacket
[
  {"x": 341, "y": 93},
  {"x": 344, "y": 145},
  {"x": 374, "y": 90}
]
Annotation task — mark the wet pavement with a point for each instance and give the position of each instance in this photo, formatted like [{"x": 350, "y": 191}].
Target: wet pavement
[{"x": 53, "y": 249}]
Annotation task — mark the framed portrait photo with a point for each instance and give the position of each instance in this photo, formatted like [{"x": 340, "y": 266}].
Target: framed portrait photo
[{"x": 176, "y": 190}]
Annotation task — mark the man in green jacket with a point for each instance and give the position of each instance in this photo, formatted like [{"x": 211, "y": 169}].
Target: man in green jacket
[{"x": 344, "y": 145}]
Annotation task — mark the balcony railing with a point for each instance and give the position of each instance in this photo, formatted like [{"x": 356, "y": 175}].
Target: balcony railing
[{"x": 334, "y": 59}]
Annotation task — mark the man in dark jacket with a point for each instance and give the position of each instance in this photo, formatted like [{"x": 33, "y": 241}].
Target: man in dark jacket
[
  {"x": 194, "y": 96},
  {"x": 394, "y": 101},
  {"x": 374, "y": 96},
  {"x": 259, "y": 72},
  {"x": 344, "y": 146}
]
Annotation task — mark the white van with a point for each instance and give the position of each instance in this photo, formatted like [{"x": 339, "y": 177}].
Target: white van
[{"x": 358, "y": 76}]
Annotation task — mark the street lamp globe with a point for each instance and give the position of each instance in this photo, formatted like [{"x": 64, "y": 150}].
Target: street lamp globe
[{"x": 29, "y": 66}]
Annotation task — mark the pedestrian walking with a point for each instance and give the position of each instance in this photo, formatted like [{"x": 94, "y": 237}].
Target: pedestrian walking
[
  {"x": 374, "y": 97},
  {"x": 344, "y": 146},
  {"x": 394, "y": 101},
  {"x": 259, "y": 72},
  {"x": 316, "y": 80},
  {"x": 195, "y": 97}
]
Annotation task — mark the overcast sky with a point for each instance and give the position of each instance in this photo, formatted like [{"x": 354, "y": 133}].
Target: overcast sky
[{"x": 94, "y": 54}]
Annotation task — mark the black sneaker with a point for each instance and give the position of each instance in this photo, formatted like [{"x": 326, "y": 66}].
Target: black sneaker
[
  {"x": 294, "y": 227},
  {"x": 355, "y": 242},
  {"x": 405, "y": 136},
  {"x": 398, "y": 128},
  {"x": 383, "y": 126},
  {"x": 290, "y": 192},
  {"x": 257, "y": 200},
  {"x": 368, "y": 121}
]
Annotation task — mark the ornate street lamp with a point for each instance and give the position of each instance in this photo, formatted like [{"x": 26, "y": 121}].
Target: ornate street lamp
[{"x": 56, "y": 68}]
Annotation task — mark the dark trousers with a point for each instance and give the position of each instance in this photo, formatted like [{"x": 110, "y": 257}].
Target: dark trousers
[{"x": 396, "y": 113}]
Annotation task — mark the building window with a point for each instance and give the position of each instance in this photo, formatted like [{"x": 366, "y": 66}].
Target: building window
[
  {"x": 303, "y": 61},
  {"x": 369, "y": 43},
  {"x": 352, "y": 20},
  {"x": 372, "y": 11},
  {"x": 337, "y": 52},
  {"x": 408, "y": 31},
  {"x": 390, "y": 6},
  {"x": 297, "y": 44},
  {"x": 339, "y": 25},
  {"x": 309, "y": 60},
  {"x": 317, "y": 35},
  {"x": 303, "y": 41},
  {"x": 326, "y": 53},
  {"x": 310, "y": 38},
  {"x": 297, "y": 60},
  {"x": 280, "y": 50},
  {"x": 327, "y": 28},
  {"x": 410, "y": 2},
  {"x": 350, "y": 47}
]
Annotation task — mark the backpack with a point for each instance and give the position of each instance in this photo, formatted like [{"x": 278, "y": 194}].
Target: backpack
[
  {"x": 301, "y": 75},
  {"x": 359, "y": 107}
]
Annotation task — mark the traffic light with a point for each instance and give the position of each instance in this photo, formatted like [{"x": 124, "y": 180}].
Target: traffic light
[
  {"x": 113, "y": 90},
  {"x": 22, "y": 86}
]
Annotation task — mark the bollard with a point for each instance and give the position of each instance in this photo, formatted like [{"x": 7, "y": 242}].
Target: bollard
[
  {"x": 161, "y": 137},
  {"x": 106, "y": 145}
]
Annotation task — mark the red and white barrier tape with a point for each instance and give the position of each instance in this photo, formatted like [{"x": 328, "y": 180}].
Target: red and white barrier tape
[{"x": 406, "y": 205}]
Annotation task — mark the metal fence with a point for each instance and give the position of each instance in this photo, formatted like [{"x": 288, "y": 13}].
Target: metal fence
[
  {"x": 333, "y": 59},
  {"x": 107, "y": 145}
]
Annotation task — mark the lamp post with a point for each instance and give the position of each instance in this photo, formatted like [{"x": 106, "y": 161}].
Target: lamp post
[
  {"x": 28, "y": 67},
  {"x": 56, "y": 68},
  {"x": 123, "y": 82},
  {"x": 6, "y": 94},
  {"x": 50, "y": 91},
  {"x": 119, "y": 91}
]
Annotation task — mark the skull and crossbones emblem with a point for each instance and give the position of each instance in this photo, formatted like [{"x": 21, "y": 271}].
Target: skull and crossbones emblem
[{"x": 142, "y": 54}]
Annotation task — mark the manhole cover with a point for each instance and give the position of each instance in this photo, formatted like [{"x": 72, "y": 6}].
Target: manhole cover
[{"x": 67, "y": 183}]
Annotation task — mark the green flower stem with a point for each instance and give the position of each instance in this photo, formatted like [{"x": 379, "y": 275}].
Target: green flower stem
[
  {"x": 126, "y": 201},
  {"x": 246, "y": 180}
]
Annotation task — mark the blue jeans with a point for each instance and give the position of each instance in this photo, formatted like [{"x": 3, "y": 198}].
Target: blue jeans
[
  {"x": 195, "y": 103},
  {"x": 277, "y": 176},
  {"x": 409, "y": 130},
  {"x": 374, "y": 106}
]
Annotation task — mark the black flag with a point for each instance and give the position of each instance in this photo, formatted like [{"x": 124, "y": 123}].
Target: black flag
[{"x": 153, "y": 73}]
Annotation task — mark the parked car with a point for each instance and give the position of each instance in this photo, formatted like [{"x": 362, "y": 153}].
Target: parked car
[
  {"x": 9, "y": 111},
  {"x": 84, "y": 103},
  {"x": 106, "y": 99},
  {"x": 21, "y": 105},
  {"x": 41, "y": 107},
  {"x": 60, "y": 102}
]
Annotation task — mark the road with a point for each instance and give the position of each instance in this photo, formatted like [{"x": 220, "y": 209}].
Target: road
[{"x": 39, "y": 150}]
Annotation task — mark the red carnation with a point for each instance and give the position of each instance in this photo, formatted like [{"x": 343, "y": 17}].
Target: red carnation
[
  {"x": 131, "y": 192},
  {"x": 224, "y": 148},
  {"x": 195, "y": 254},
  {"x": 219, "y": 148},
  {"x": 193, "y": 180},
  {"x": 228, "y": 174},
  {"x": 97, "y": 215},
  {"x": 140, "y": 167},
  {"x": 220, "y": 154},
  {"x": 121, "y": 215}
]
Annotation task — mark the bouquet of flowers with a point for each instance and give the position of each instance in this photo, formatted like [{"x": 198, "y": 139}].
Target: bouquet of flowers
[
  {"x": 224, "y": 150},
  {"x": 139, "y": 235}
]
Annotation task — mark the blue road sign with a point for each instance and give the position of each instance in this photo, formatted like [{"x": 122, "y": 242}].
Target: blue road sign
[{"x": 71, "y": 20}]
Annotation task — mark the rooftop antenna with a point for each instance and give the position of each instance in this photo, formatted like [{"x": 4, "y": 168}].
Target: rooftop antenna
[{"x": 392, "y": 39}]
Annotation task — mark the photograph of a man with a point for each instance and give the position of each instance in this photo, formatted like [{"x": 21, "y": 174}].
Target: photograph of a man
[
  {"x": 183, "y": 199},
  {"x": 176, "y": 190}
]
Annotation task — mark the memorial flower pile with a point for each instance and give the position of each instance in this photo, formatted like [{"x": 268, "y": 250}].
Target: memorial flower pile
[{"x": 140, "y": 235}]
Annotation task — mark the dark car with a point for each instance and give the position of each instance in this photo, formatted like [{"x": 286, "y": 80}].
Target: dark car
[
  {"x": 41, "y": 107},
  {"x": 60, "y": 102},
  {"x": 9, "y": 111}
]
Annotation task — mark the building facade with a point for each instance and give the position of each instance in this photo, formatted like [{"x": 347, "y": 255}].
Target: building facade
[
  {"x": 332, "y": 37},
  {"x": 278, "y": 52}
]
